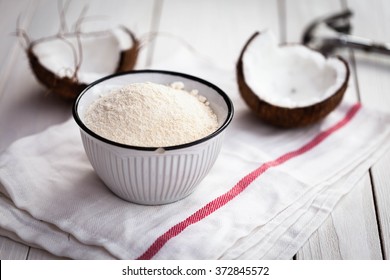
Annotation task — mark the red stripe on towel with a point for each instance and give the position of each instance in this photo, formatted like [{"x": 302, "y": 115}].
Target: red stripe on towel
[{"x": 220, "y": 201}]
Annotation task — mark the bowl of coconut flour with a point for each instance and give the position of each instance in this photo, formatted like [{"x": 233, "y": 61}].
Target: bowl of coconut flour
[{"x": 152, "y": 136}]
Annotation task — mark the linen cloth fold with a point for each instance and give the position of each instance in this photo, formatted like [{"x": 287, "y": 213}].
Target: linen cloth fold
[{"x": 268, "y": 191}]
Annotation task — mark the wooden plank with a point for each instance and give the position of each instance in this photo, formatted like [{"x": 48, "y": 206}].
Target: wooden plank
[
  {"x": 333, "y": 239},
  {"x": 350, "y": 232},
  {"x": 25, "y": 108},
  {"x": 38, "y": 254},
  {"x": 216, "y": 29},
  {"x": 322, "y": 245},
  {"x": 370, "y": 20},
  {"x": 11, "y": 250},
  {"x": 355, "y": 224},
  {"x": 300, "y": 13},
  {"x": 381, "y": 178},
  {"x": 135, "y": 15},
  {"x": 10, "y": 12}
]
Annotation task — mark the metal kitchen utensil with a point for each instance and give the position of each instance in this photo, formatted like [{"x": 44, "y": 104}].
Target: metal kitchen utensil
[{"x": 333, "y": 31}]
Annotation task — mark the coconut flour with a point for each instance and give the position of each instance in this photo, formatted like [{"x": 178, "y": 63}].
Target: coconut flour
[{"x": 151, "y": 115}]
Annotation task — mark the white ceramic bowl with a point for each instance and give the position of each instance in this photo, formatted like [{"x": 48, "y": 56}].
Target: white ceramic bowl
[{"x": 148, "y": 175}]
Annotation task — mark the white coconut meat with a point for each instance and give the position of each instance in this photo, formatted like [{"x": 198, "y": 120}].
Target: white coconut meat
[
  {"x": 290, "y": 76},
  {"x": 100, "y": 54}
]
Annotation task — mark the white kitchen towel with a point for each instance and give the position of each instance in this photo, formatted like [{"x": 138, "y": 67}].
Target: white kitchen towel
[{"x": 268, "y": 191}]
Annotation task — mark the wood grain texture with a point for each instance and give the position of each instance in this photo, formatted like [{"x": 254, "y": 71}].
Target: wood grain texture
[
  {"x": 25, "y": 106},
  {"x": 370, "y": 20},
  {"x": 38, "y": 254},
  {"x": 11, "y": 250},
  {"x": 339, "y": 238},
  {"x": 10, "y": 11},
  {"x": 381, "y": 179},
  {"x": 355, "y": 224},
  {"x": 216, "y": 29},
  {"x": 322, "y": 245},
  {"x": 360, "y": 224},
  {"x": 20, "y": 11}
]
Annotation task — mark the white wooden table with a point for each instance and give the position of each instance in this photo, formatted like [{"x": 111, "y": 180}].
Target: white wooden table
[{"x": 359, "y": 228}]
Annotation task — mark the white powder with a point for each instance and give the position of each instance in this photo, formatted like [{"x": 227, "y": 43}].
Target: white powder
[{"x": 151, "y": 115}]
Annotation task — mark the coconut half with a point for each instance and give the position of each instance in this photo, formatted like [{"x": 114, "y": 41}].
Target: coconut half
[
  {"x": 57, "y": 63},
  {"x": 289, "y": 85}
]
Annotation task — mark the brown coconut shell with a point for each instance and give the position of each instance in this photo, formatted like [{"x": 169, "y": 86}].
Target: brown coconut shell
[
  {"x": 70, "y": 88},
  {"x": 287, "y": 117}
]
